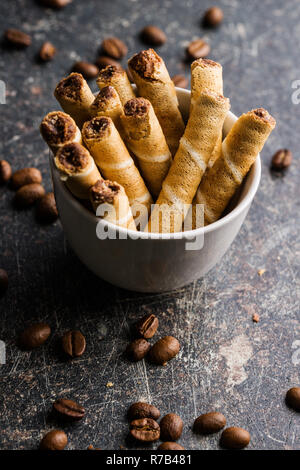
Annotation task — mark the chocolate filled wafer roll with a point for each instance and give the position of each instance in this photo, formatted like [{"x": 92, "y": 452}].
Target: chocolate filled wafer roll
[
  {"x": 145, "y": 138},
  {"x": 112, "y": 157},
  {"x": 77, "y": 169},
  {"x": 110, "y": 202},
  {"x": 107, "y": 103},
  {"x": 58, "y": 128},
  {"x": 116, "y": 77},
  {"x": 190, "y": 162},
  {"x": 154, "y": 83},
  {"x": 75, "y": 97},
  {"x": 239, "y": 151}
]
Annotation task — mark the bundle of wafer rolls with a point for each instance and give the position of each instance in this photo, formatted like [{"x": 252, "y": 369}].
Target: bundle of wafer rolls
[{"x": 128, "y": 152}]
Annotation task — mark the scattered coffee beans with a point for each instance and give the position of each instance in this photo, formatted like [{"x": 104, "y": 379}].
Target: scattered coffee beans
[
  {"x": 143, "y": 410},
  {"x": 27, "y": 195},
  {"x": 234, "y": 438},
  {"x": 5, "y": 171},
  {"x": 3, "y": 282},
  {"x": 171, "y": 427},
  {"x": 55, "y": 3},
  {"x": 209, "y": 423},
  {"x": 146, "y": 430},
  {"x": 293, "y": 398},
  {"x": 282, "y": 159},
  {"x": 86, "y": 69},
  {"x": 68, "y": 409},
  {"x": 47, "y": 52},
  {"x": 34, "y": 336},
  {"x": 137, "y": 350},
  {"x": 163, "y": 350},
  {"x": 180, "y": 80},
  {"x": 46, "y": 210},
  {"x": 153, "y": 35},
  {"x": 213, "y": 17},
  {"x": 147, "y": 326},
  {"x": 114, "y": 47},
  {"x": 25, "y": 176},
  {"x": 54, "y": 440},
  {"x": 170, "y": 446},
  {"x": 103, "y": 61},
  {"x": 17, "y": 38},
  {"x": 197, "y": 49},
  {"x": 73, "y": 343}
]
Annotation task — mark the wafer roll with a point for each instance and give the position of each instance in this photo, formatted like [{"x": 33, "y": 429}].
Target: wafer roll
[
  {"x": 107, "y": 103},
  {"x": 77, "y": 169},
  {"x": 58, "y": 129},
  {"x": 145, "y": 138},
  {"x": 190, "y": 162},
  {"x": 239, "y": 151},
  {"x": 116, "y": 77},
  {"x": 75, "y": 97},
  {"x": 154, "y": 83},
  {"x": 115, "y": 208},
  {"x": 112, "y": 157}
]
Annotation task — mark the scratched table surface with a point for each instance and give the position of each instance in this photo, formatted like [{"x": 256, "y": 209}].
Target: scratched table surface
[{"x": 227, "y": 362}]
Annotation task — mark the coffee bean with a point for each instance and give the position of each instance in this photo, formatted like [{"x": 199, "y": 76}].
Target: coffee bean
[
  {"x": 170, "y": 446},
  {"x": 86, "y": 69},
  {"x": 147, "y": 326},
  {"x": 46, "y": 211},
  {"x": 213, "y": 17},
  {"x": 129, "y": 75},
  {"x": 34, "y": 336},
  {"x": 55, "y": 3},
  {"x": 73, "y": 343},
  {"x": 153, "y": 35},
  {"x": 143, "y": 410},
  {"x": 146, "y": 430},
  {"x": 114, "y": 47},
  {"x": 54, "y": 440},
  {"x": 27, "y": 195},
  {"x": 137, "y": 350},
  {"x": 180, "y": 80},
  {"x": 3, "y": 282},
  {"x": 25, "y": 176},
  {"x": 282, "y": 159},
  {"x": 234, "y": 438},
  {"x": 163, "y": 350},
  {"x": 68, "y": 409},
  {"x": 171, "y": 427},
  {"x": 47, "y": 52},
  {"x": 5, "y": 171},
  {"x": 197, "y": 49},
  {"x": 91, "y": 447},
  {"x": 293, "y": 398},
  {"x": 103, "y": 61},
  {"x": 17, "y": 38},
  {"x": 209, "y": 423}
]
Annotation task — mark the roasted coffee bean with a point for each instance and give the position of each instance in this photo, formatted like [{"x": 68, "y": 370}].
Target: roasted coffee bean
[
  {"x": 55, "y": 3},
  {"x": 282, "y": 159},
  {"x": 141, "y": 410},
  {"x": 27, "y": 195},
  {"x": 17, "y": 38},
  {"x": 180, "y": 80},
  {"x": 91, "y": 447},
  {"x": 147, "y": 326},
  {"x": 171, "y": 427},
  {"x": 213, "y": 17},
  {"x": 46, "y": 210},
  {"x": 3, "y": 282},
  {"x": 68, "y": 409},
  {"x": 34, "y": 336},
  {"x": 145, "y": 429},
  {"x": 234, "y": 438},
  {"x": 153, "y": 35},
  {"x": 103, "y": 61},
  {"x": 73, "y": 343},
  {"x": 114, "y": 47},
  {"x": 5, "y": 171},
  {"x": 138, "y": 349},
  {"x": 170, "y": 446},
  {"x": 163, "y": 350},
  {"x": 25, "y": 176},
  {"x": 47, "y": 52},
  {"x": 86, "y": 69},
  {"x": 197, "y": 49},
  {"x": 293, "y": 398},
  {"x": 209, "y": 423},
  {"x": 54, "y": 440}
]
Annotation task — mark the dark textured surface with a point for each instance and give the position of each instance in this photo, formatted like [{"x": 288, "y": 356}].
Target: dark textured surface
[{"x": 227, "y": 362}]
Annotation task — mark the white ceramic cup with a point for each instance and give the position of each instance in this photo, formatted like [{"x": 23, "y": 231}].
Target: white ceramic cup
[{"x": 152, "y": 262}]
